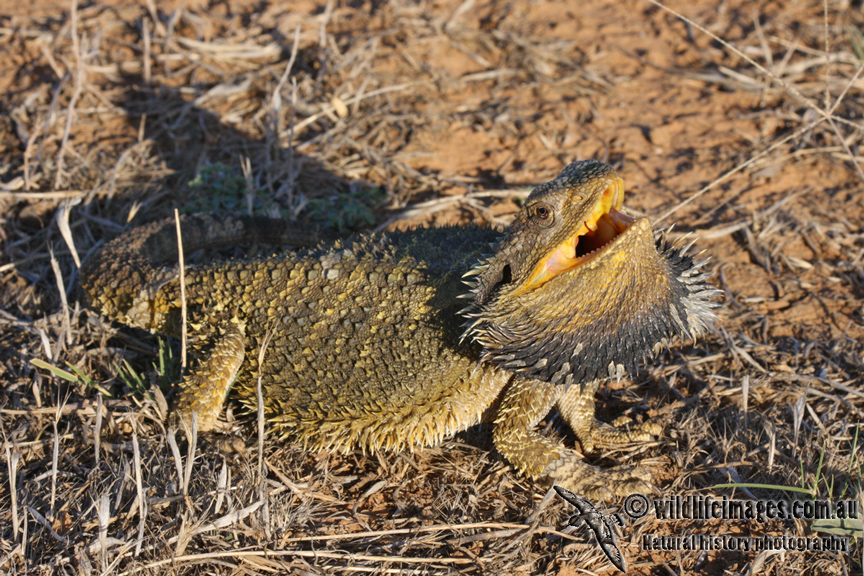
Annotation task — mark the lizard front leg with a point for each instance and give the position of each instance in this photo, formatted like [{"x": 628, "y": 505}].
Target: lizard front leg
[
  {"x": 524, "y": 404},
  {"x": 576, "y": 406},
  {"x": 203, "y": 391}
]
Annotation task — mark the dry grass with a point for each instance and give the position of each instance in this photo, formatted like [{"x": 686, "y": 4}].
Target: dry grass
[{"x": 743, "y": 125}]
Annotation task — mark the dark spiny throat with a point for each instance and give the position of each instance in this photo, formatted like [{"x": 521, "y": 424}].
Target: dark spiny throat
[{"x": 573, "y": 350}]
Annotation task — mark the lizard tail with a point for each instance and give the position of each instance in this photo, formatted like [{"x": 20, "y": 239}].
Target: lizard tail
[{"x": 123, "y": 277}]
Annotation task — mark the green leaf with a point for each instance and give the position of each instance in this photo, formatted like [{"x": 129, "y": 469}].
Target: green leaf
[
  {"x": 852, "y": 527},
  {"x": 59, "y": 372},
  {"x": 766, "y": 487}
]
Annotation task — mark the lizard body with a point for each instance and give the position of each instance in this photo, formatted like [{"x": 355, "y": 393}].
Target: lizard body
[{"x": 363, "y": 343}]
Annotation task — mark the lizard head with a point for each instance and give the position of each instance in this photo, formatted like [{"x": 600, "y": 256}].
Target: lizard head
[{"x": 578, "y": 290}]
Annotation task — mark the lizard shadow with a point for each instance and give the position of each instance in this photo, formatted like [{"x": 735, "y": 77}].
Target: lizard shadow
[{"x": 194, "y": 143}]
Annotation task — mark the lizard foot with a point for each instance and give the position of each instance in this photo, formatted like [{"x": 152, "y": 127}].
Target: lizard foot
[
  {"x": 577, "y": 408},
  {"x": 622, "y": 431},
  {"x": 523, "y": 404},
  {"x": 602, "y": 484},
  {"x": 230, "y": 445}
]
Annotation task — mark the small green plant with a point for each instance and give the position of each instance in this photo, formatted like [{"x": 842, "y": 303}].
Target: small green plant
[
  {"x": 132, "y": 379},
  {"x": 167, "y": 369},
  {"x": 347, "y": 210},
  {"x": 857, "y": 42},
  {"x": 77, "y": 378},
  {"x": 221, "y": 188}
]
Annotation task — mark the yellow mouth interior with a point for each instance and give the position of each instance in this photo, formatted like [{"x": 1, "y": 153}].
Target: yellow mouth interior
[{"x": 603, "y": 225}]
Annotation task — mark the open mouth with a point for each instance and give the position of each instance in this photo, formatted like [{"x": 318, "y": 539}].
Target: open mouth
[{"x": 604, "y": 224}]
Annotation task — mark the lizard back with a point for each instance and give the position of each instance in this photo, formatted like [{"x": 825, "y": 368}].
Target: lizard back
[{"x": 362, "y": 337}]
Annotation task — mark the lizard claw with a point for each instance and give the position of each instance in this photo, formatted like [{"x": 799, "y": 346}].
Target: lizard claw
[
  {"x": 622, "y": 431},
  {"x": 598, "y": 484}
]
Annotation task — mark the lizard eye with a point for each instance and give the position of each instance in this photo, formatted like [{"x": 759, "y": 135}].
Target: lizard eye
[{"x": 543, "y": 214}]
